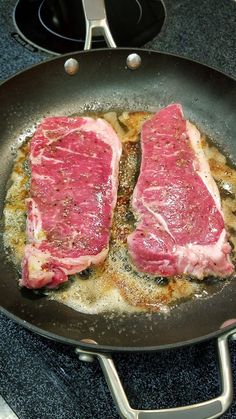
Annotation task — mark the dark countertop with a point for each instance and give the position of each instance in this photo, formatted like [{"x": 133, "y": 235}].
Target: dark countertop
[{"x": 41, "y": 379}]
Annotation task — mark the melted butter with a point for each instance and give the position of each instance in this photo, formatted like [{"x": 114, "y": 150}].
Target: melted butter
[{"x": 116, "y": 285}]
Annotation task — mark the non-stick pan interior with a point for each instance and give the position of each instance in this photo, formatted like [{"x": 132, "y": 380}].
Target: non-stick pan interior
[{"x": 104, "y": 83}]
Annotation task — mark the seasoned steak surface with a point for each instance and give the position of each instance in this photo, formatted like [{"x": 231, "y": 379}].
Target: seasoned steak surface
[
  {"x": 73, "y": 190},
  {"x": 180, "y": 225}
]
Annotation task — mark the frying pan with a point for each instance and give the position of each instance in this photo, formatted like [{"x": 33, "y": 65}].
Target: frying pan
[{"x": 121, "y": 79}]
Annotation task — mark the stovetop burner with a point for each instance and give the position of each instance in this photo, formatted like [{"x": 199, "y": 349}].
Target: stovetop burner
[{"x": 59, "y": 26}]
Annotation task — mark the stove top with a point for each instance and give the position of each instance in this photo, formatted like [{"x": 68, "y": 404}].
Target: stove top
[
  {"x": 41, "y": 379},
  {"x": 59, "y": 26}
]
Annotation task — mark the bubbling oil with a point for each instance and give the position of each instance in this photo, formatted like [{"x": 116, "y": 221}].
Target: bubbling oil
[{"x": 116, "y": 285}]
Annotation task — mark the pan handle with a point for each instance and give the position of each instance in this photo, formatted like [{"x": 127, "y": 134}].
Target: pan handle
[
  {"x": 205, "y": 410},
  {"x": 96, "y": 18}
]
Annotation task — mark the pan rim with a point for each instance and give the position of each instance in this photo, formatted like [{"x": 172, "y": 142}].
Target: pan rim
[
  {"x": 111, "y": 348},
  {"x": 112, "y": 50},
  {"x": 108, "y": 348}
]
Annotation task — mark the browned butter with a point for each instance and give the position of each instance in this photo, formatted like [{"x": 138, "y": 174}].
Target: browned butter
[{"x": 116, "y": 285}]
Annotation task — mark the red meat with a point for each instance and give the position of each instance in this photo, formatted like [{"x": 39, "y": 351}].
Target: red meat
[
  {"x": 73, "y": 191},
  {"x": 180, "y": 226}
]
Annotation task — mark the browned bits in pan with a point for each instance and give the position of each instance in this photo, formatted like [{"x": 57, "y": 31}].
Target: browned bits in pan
[{"x": 116, "y": 284}]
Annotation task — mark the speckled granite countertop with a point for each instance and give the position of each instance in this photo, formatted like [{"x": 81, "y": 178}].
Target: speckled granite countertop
[{"x": 41, "y": 379}]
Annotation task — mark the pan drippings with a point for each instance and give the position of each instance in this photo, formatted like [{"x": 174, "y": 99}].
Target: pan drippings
[{"x": 116, "y": 285}]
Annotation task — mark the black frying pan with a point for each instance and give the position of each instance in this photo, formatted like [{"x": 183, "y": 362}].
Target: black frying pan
[{"x": 104, "y": 82}]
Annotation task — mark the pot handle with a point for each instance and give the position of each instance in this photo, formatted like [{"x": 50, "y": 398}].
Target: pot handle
[
  {"x": 96, "y": 18},
  {"x": 206, "y": 410}
]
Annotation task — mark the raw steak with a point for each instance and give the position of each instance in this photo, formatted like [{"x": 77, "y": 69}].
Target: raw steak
[
  {"x": 73, "y": 191},
  {"x": 180, "y": 228}
]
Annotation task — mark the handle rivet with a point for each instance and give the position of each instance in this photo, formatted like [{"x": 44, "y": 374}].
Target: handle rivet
[
  {"x": 71, "y": 66},
  {"x": 86, "y": 357},
  {"x": 133, "y": 61}
]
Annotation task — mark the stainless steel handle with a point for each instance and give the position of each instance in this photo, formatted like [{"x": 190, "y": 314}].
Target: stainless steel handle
[
  {"x": 205, "y": 410},
  {"x": 5, "y": 410},
  {"x": 96, "y": 18}
]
